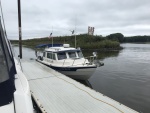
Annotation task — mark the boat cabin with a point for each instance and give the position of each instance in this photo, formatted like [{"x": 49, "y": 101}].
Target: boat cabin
[{"x": 62, "y": 53}]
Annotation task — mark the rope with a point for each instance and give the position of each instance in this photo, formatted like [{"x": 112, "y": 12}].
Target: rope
[{"x": 90, "y": 94}]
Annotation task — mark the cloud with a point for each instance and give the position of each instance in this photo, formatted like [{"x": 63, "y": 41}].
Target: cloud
[{"x": 130, "y": 17}]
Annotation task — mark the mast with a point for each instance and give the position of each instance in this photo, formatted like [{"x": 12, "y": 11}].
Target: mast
[
  {"x": 20, "y": 32},
  {"x": 75, "y": 41},
  {"x": 75, "y": 32},
  {"x": 52, "y": 36}
]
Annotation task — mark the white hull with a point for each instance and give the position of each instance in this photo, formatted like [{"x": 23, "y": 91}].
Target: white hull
[
  {"x": 68, "y": 61},
  {"x": 80, "y": 74}
]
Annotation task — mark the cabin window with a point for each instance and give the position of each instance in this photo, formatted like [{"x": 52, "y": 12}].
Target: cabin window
[
  {"x": 3, "y": 67},
  {"x": 80, "y": 54},
  {"x": 7, "y": 70},
  {"x": 43, "y": 54},
  {"x": 72, "y": 54},
  {"x": 61, "y": 56},
  {"x": 51, "y": 56}
]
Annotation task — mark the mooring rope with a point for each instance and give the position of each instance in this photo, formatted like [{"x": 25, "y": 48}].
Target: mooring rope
[{"x": 90, "y": 94}]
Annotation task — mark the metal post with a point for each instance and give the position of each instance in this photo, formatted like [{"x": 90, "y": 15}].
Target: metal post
[
  {"x": 73, "y": 62},
  {"x": 75, "y": 32},
  {"x": 20, "y": 33},
  {"x": 75, "y": 41},
  {"x": 64, "y": 62},
  {"x": 52, "y": 36}
]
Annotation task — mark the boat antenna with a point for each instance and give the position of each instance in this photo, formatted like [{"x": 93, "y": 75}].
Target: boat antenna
[
  {"x": 3, "y": 18},
  {"x": 50, "y": 36},
  {"x": 75, "y": 31},
  {"x": 19, "y": 26}
]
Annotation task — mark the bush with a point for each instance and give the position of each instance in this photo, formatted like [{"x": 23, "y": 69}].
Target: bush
[{"x": 84, "y": 41}]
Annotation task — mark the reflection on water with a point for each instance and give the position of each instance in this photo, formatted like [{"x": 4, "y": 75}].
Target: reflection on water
[
  {"x": 86, "y": 83},
  {"x": 125, "y": 77},
  {"x": 27, "y": 53}
]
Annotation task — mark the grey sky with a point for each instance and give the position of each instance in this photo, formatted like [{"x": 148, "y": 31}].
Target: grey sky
[{"x": 130, "y": 17}]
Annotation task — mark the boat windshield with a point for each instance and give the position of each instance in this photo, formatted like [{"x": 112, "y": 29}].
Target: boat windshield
[
  {"x": 80, "y": 54},
  {"x": 72, "y": 54},
  {"x": 61, "y": 56}
]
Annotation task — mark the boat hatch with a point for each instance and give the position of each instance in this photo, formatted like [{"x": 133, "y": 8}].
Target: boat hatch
[{"x": 66, "y": 45}]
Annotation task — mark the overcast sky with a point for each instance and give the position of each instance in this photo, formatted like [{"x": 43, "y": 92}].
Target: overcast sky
[{"x": 129, "y": 17}]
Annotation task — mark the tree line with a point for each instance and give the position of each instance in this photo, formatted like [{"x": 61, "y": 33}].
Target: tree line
[
  {"x": 86, "y": 41},
  {"x": 137, "y": 39},
  {"x": 120, "y": 37}
]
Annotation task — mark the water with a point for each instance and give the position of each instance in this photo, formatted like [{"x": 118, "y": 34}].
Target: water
[
  {"x": 125, "y": 77},
  {"x": 27, "y": 53}
]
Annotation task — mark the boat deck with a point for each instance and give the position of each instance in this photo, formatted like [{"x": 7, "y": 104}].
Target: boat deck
[{"x": 57, "y": 93}]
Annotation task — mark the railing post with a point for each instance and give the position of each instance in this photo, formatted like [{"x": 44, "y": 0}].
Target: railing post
[
  {"x": 73, "y": 62},
  {"x": 84, "y": 62},
  {"x": 64, "y": 62}
]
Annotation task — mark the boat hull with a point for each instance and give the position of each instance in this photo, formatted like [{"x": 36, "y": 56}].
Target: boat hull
[{"x": 78, "y": 72}]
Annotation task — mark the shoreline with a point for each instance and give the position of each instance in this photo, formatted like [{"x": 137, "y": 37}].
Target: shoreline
[{"x": 84, "y": 49}]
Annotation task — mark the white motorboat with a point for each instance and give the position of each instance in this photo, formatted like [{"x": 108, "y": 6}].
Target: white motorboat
[
  {"x": 15, "y": 94},
  {"x": 67, "y": 60}
]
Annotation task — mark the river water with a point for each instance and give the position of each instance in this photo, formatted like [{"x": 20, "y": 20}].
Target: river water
[{"x": 125, "y": 76}]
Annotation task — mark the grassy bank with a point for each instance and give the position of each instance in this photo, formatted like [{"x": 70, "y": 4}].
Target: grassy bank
[{"x": 84, "y": 41}]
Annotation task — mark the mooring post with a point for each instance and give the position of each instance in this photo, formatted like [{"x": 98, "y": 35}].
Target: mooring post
[{"x": 19, "y": 26}]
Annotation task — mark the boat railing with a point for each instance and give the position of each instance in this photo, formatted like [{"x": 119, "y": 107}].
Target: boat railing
[
  {"x": 64, "y": 62},
  {"x": 73, "y": 62},
  {"x": 89, "y": 58}
]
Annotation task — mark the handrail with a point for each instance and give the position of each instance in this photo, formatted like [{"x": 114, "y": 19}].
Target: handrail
[
  {"x": 91, "y": 58},
  {"x": 64, "y": 62},
  {"x": 73, "y": 62},
  {"x": 84, "y": 61},
  {"x": 86, "y": 58}
]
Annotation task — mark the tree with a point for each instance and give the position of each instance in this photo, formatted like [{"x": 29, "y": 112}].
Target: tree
[{"x": 116, "y": 36}]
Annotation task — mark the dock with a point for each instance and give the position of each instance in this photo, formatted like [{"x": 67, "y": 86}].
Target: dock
[{"x": 54, "y": 92}]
